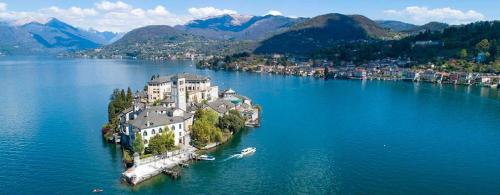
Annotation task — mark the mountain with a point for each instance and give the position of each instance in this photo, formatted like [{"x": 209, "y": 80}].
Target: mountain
[
  {"x": 57, "y": 34},
  {"x": 397, "y": 26},
  {"x": 105, "y": 37},
  {"x": 153, "y": 33},
  {"x": 323, "y": 31},
  {"x": 163, "y": 42},
  {"x": 17, "y": 40},
  {"x": 431, "y": 26},
  {"x": 239, "y": 27},
  {"x": 35, "y": 36},
  {"x": 454, "y": 42}
]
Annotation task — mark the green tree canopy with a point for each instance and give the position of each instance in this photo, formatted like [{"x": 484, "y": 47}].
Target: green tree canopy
[
  {"x": 129, "y": 95},
  {"x": 205, "y": 129},
  {"x": 157, "y": 145},
  {"x": 463, "y": 53},
  {"x": 138, "y": 144},
  {"x": 233, "y": 121}
]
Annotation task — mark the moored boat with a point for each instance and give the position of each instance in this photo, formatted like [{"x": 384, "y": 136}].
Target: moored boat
[{"x": 205, "y": 157}]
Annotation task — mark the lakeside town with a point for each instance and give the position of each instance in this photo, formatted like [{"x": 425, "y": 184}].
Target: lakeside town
[
  {"x": 167, "y": 124},
  {"x": 383, "y": 69}
]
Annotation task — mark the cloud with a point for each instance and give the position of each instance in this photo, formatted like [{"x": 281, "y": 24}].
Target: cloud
[
  {"x": 421, "y": 15},
  {"x": 159, "y": 11},
  {"x": 204, "y": 12},
  {"x": 70, "y": 12},
  {"x": 106, "y": 15},
  {"x": 274, "y": 13},
  {"x": 108, "y": 6},
  {"x": 3, "y": 6}
]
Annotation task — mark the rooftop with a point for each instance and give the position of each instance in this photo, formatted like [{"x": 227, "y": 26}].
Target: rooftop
[
  {"x": 187, "y": 76},
  {"x": 156, "y": 116}
]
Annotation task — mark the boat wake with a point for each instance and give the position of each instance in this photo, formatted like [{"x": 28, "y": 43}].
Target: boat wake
[
  {"x": 244, "y": 152},
  {"x": 233, "y": 156}
]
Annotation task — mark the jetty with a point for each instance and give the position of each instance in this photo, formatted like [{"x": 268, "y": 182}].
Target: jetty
[{"x": 147, "y": 168}]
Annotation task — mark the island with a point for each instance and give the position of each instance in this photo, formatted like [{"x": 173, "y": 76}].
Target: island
[{"x": 165, "y": 125}]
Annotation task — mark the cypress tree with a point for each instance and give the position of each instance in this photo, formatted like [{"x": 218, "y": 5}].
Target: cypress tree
[{"x": 129, "y": 95}]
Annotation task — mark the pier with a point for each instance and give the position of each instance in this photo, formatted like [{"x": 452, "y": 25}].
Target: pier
[{"x": 170, "y": 164}]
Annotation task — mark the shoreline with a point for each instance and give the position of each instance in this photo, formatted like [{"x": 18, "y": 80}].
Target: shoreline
[{"x": 371, "y": 78}]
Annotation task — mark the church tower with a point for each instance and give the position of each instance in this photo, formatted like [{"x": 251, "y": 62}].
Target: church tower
[{"x": 180, "y": 92}]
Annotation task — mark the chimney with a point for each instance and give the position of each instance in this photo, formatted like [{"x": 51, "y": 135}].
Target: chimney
[
  {"x": 147, "y": 113},
  {"x": 148, "y": 123}
]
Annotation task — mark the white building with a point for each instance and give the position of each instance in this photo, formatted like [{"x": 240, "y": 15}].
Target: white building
[
  {"x": 156, "y": 120},
  {"x": 182, "y": 89}
]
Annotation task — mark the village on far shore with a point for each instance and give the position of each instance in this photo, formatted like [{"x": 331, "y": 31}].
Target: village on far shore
[
  {"x": 163, "y": 126},
  {"x": 393, "y": 69}
]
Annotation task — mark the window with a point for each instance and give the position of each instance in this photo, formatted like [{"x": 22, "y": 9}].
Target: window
[
  {"x": 180, "y": 133},
  {"x": 145, "y": 134},
  {"x": 180, "y": 126},
  {"x": 173, "y": 127},
  {"x": 153, "y": 132},
  {"x": 160, "y": 130},
  {"x": 145, "y": 141}
]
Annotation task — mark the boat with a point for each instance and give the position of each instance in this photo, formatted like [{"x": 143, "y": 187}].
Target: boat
[
  {"x": 97, "y": 190},
  {"x": 205, "y": 157},
  {"x": 248, "y": 151}
]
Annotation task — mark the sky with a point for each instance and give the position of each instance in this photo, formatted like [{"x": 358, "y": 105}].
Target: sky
[{"x": 124, "y": 15}]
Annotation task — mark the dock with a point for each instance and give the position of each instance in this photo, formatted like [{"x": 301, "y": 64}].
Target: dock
[{"x": 149, "y": 167}]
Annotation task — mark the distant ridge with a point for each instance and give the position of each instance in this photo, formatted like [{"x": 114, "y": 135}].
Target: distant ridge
[
  {"x": 35, "y": 36},
  {"x": 322, "y": 31},
  {"x": 239, "y": 27},
  {"x": 431, "y": 26},
  {"x": 397, "y": 26}
]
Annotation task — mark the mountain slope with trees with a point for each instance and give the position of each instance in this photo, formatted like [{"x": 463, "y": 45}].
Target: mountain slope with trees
[
  {"x": 323, "y": 31},
  {"x": 468, "y": 42}
]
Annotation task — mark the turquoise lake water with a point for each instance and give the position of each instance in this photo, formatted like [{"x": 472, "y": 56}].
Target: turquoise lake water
[{"x": 317, "y": 137}]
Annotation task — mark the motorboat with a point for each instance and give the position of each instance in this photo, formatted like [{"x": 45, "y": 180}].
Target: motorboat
[
  {"x": 205, "y": 157},
  {"x": 248, "y": 151},
  {"x": 97, "y": 190}
]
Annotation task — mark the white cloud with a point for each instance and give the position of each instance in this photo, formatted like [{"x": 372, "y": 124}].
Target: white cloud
[
  {"x": 421, "y": 15},
  {"x": 108, "y": 6},
  {"x": 110, "y": 15},
  {"x": 274, "y": 13},
  {"x": 204, "y": 12},
  {"x": 159, "y": 11},
  {"x": 3, "y": 6},
  {"x": 70, "y": 12}
]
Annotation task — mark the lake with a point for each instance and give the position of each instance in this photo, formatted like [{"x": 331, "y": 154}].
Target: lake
[{"x": 317, "y": 136}]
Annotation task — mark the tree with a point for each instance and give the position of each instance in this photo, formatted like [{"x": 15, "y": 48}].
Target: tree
[
  {"x": 169, "y": 138},
  {"x": 129, "y": 95},
  {"x": 162, "y": 143},
  {"x": 123, "y": 97},
  {"x": 463, "y": 53},
  {"x": 483, "y": 45},
  {"x": 233, "y": 121},
  {"x": 138, "y": 144},
  {"x": 111, "y": 112},
  {"x": 157, "y": 145},
  {"x": 208, "y": 115},
  {"x": 204, "y": 129}
]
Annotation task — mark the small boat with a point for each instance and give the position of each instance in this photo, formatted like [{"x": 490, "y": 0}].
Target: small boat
[
  {"x": 97, "y": 190},
  {"x": 205, "y": 157},
  {"x": 248, "y": 151}
]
